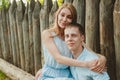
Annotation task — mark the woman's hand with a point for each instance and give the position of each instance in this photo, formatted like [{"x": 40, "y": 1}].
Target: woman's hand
[
  {"x": 91, "y": 64},
  {"x": 100, "y": 65},
  {"x": 38, "y": 74}
]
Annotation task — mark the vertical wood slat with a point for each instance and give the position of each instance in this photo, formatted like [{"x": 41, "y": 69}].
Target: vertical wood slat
[
  {"x": 9, "y": 39},
  {"x": 1, "y": 55},
  {"x": 19, "y": 18},
  {"x": 44, "y": 16},
  {"x": 52, "y": 13},
  {"x": 4, "y": 36},
  {"x": 106, "y": 35},
  {"x": 30, "y": 11},
  {"x": 116, "y": 20},
  {"x": 36, "y": 37},
  {"x": 68, "y": 1},
  {"x": 92, "y": 24},
  {"x": 12, "y": 10},
  {"x": 25, "y": 27},
  {"x": 80, "y": 7}
]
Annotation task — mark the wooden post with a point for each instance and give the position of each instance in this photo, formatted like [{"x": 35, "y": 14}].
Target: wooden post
[
  {"x": 106, "y": 35},
  {"x": 1, "y": 55},
  {"x": 9, "y": 39},
  {"x": 44, "y": 15},
  {"x": 30, "y": 11},
  {"x": 116, "y": 14},
  {"x": 80, "y": 7},
  {"x": 36, "y": 36},
  {"x": 13, "y": 72},
  {"x": 19, "y": 18},
  {"x": 52, "y": 13},
  {"x": 92, "y": 25},
  {"x": 12, "y": 13},
  {"x": 4, "y": 36},
  {"x": 68, "y": 1},
  {"x": 26, "y": 40}
]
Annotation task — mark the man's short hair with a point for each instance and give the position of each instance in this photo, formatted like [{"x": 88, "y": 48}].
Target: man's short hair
[{"x": 79, "y": 26}]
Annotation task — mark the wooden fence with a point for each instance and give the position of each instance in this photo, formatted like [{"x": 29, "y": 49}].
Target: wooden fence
[{"x": 21, "y": 26}]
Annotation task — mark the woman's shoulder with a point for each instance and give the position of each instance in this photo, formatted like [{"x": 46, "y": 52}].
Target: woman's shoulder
[
  {"x": 49, "y": 32},
  {"x": 46, "y": 32}
]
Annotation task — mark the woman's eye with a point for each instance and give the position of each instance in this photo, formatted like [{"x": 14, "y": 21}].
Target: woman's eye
[
  {"x": 62, "y": 15},
  {"x": 70, "y": 17}
]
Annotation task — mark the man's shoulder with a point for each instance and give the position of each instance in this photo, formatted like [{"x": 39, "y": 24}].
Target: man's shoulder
[{"x": 90, "y": 55}]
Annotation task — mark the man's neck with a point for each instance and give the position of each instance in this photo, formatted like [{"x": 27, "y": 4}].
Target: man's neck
[{"x": 77, "y": 52}]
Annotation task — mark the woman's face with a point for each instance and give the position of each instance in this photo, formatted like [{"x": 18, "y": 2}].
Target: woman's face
[{"x": 64, "y": 18}]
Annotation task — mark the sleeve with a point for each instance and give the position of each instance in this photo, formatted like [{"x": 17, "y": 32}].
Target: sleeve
[{"x": 100, "y": 76}]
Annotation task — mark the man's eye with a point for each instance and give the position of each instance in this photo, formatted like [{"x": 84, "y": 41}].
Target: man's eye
[
  {"x": 74, "y": 35},
  {"x": 66, "y": 36}
]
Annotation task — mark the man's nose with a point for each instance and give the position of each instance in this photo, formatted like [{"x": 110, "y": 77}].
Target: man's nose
[{"x": 70, "y": 38}]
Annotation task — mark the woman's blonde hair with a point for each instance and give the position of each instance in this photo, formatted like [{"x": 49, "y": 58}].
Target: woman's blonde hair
[{"x": 72, "y": 9}]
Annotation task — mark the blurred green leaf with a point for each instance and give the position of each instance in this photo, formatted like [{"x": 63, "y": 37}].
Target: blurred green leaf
[{"x": 4, "y": 4}]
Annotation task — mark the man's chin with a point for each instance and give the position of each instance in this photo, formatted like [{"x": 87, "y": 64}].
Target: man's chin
[{"x": 71, "y": 48}]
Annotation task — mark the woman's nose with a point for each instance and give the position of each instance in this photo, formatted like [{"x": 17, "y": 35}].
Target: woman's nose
[{"x": 64, "y": 19}]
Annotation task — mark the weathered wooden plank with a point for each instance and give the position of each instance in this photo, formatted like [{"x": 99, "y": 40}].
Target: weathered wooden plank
[
  {"x": 1, "y": 55},
  {"x": 107, "y": 35},
  {"x": 4, "y": 36},
  {"x": 68, "y": 1},
  {"x": 14, "y": 72},
  {"x": 26, "y": 40},
  {"x": 19, "y": 18},
  {"x": 12, "y": 10},
  {"x": 30, "y": 11},
  {"x": 80, "y": 7},
  {"x": 117, "y": 36},
  {"x": 9, "y": 34},
  {"x": 36, "y": 37},
  {"x": 44, "y": 16},
  {"x": 52, "y": 13},
  {"x": 92, "y": 25}
]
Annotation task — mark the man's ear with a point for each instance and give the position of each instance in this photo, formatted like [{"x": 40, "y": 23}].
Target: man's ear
[{"x": 83, "y": 38}]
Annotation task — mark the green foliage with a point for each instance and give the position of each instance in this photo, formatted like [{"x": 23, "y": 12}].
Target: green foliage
[
  {"x": 4, "y": 4},
  {"x": 41, "y": 1},
  {"x": 3, "y": 76},
  {"x": 59, "y": 2},
  {"x": 28, "y": 0}
]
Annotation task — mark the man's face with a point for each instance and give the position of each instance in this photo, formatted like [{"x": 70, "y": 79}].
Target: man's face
[{"x": 73, "y": 38}]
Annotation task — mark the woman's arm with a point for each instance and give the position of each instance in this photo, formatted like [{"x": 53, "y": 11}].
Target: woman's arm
[
  {"x": 50, "y": 45},
  {"x": 100, "y": 66},
  {"x": 38, "y": 74}
]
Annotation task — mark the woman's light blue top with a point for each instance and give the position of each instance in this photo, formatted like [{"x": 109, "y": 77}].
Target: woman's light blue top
[{"x": 53, "y": 70}]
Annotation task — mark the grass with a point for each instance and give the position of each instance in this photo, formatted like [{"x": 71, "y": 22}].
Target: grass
[{"x": 3, "y": 76}]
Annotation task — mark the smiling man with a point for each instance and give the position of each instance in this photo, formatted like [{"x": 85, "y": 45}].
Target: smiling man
[{"x": 74, "y": 37}]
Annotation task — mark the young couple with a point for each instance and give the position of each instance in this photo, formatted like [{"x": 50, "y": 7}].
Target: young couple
[{"x": 69, "y": 59}]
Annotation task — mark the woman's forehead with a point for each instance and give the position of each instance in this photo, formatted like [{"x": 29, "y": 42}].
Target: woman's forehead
[{"x": 65, "y": 10}]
